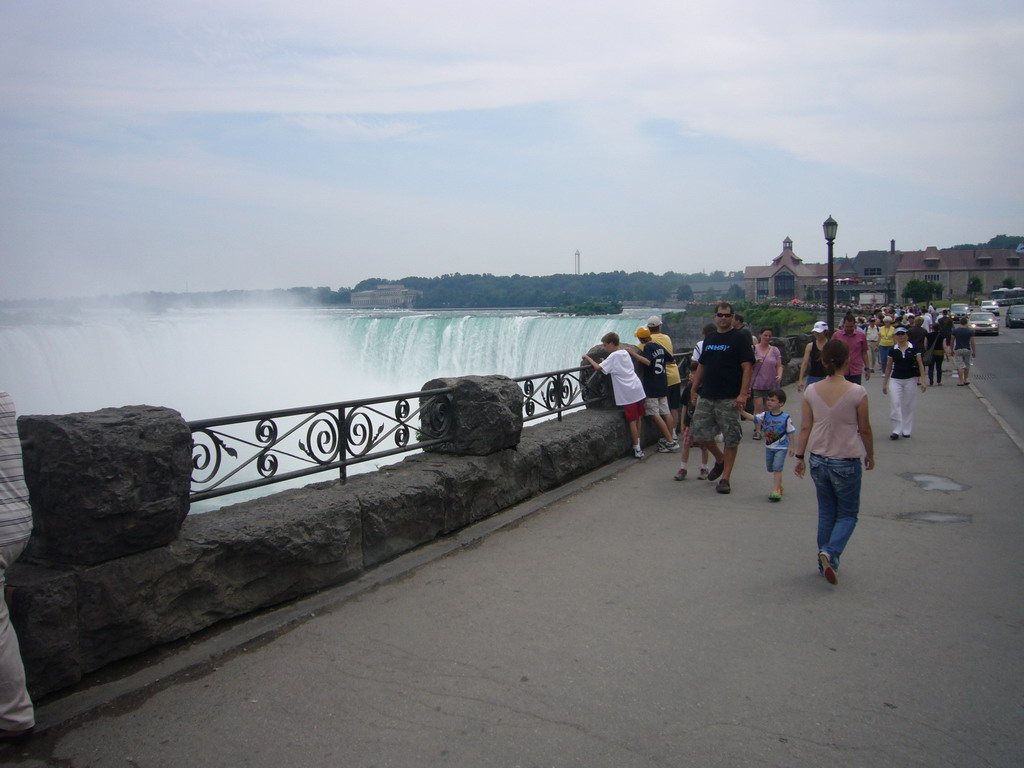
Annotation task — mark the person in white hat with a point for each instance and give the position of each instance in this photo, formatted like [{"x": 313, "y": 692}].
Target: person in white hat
[
  {"x": 811, "y": 368},
  {"x": 904, "y": 373}
]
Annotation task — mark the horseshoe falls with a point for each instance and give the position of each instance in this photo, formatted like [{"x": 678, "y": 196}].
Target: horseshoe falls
[{"x": 209, "y": 363}]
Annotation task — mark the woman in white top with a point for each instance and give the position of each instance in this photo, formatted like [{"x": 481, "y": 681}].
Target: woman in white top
[{"x": 836, "y": 431}]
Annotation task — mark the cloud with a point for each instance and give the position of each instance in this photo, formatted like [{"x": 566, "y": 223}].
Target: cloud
[{"x": 550, "y": 121}]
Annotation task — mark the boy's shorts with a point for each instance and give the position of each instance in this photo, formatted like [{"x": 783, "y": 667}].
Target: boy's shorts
[
  {"x": 775, "y": 459},
  {"x": 688, "y": 438},
  {"x": 675, "y": 396},
  {"x": 713, "y": 416},
  {"x": 656, "y": 406},
  {"x": 634, "y": 411}
]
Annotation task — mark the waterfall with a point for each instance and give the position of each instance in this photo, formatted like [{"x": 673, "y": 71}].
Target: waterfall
[{"x": 209, "y": 363}]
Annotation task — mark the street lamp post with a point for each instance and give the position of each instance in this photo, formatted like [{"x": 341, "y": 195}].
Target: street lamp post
[{"x": 830, "y": 226}]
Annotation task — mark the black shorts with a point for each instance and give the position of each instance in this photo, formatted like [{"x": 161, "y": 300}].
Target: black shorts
[{"x": 675, "y": 397}]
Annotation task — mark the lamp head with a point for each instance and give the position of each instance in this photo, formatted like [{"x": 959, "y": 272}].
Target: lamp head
[{"x": 830, "y": 226}]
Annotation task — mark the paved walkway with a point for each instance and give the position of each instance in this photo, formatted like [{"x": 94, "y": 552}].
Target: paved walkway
[{"x": 636, "y": 621}]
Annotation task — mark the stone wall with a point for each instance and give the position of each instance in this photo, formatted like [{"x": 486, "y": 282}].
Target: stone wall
[
  {"x": 115, "y": 567},
  {"x": 88, "y": 594}
]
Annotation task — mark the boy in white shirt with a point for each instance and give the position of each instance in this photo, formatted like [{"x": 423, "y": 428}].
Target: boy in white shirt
[{"x": 626, "y": 385}]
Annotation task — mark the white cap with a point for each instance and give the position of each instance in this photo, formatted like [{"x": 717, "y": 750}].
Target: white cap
[
  {"x": 653, "y": 321},
  {"x": 820, "y": 327}
]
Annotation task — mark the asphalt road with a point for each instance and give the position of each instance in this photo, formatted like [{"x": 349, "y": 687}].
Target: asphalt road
[{"x": 999, "y": 374}]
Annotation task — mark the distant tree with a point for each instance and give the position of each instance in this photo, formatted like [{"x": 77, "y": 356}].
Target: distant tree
[
  {"x": 1009, "y": 282},
  {"x": 974, "y": 284},
  {"x": 1005, "y": 241},
  {"x": 921, "y": 290},
  {"x": 684, "y": 292},
  {"x": 999, "y": 241},
  {"x": 735, "y": 292}
]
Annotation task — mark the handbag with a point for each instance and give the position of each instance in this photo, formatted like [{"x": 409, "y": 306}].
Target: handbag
[{"x": 926, "y": 358}]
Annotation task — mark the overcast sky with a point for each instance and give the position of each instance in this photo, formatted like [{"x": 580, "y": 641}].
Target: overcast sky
[{"x": 203, "y": 145}]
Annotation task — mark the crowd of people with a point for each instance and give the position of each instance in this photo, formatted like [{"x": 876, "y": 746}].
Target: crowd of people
[{"x": 735, "y": 376}]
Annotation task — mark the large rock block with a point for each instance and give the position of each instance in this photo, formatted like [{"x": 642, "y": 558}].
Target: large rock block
[
  {"x": 44, "y": 612},
  {"x": 486, "y": 414},
  {"x": 105, "y": 484},
  {"x": 400, "y": 510},
  {"x": 225, "y": 563}
]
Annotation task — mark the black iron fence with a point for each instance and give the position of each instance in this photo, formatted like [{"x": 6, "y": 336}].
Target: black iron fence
[{"x": 238, "y": 453}]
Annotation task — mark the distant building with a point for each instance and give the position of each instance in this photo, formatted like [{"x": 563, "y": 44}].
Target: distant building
[
  {"x": 788, "y": 278},
  {"x": 953, "y": 269},
  {"x": 386, "y": 296},
  {"x": 882, "y": 273}
]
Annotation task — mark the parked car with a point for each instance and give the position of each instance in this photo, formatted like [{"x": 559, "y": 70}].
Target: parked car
[
  {"x": 983, "y": 324},
  {"x": 990, "y": 305},
  {"x": 1015, "y": 316}
]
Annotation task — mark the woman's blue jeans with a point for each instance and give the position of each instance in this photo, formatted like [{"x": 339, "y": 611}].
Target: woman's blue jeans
[{"x": 837, "y": 482}]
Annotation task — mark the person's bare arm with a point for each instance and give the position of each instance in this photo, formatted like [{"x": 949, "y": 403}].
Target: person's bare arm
[
  {"x": 806, "y": 422},
  {"x": 866, "y": 436}
]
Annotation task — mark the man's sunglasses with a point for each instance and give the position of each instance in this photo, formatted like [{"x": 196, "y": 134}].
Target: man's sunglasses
[{"x": 723, "y": 314}]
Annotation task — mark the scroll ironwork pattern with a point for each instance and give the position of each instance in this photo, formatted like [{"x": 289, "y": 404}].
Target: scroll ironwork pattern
[{"x": 242, "y": 452}]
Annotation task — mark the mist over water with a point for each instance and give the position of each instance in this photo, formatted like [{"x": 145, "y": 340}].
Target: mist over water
[{"x": 208, "y": 363}]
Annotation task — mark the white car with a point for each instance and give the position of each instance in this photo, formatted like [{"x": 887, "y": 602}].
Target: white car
[
  {"x": 983, "y": 323},
  {"x": 990, "y": 305}
]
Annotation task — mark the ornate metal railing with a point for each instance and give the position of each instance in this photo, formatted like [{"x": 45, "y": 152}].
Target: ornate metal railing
[
  {"x": 553, "y": 393},
  {"x": 239, "y": 453}
]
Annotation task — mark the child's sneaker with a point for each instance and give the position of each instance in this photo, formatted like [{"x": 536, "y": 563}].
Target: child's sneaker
[
  {"x": 703, "y": 473},
  {"x": 680, "y": 475},
  {"x": 662, "y": 441},
  {"x": 667, "y": 447},
  {"x": 638, "y": 453}
]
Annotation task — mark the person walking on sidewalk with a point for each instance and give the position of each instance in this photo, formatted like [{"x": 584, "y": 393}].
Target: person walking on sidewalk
[
  {"x": 963, "y": 350},
  {"x": 938, "y": 340},
  {"x": 776, "y": 426},
  {"x": 17, "y": 715},
  {"x": 767, "y": 373},
  {"x": 721, "y": 385},
  {"x": 871, "y": 334},
  {"x": 835, "y": 429},
  {"x": 855, "y": 339},
  {"x": 811, "y": 369},
  {"x": 886, "y": 338},
  {"x": 904, "y": 373}
]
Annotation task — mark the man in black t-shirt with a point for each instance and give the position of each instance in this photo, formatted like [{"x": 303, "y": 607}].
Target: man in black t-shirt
[{"x": 722, "y": 379}]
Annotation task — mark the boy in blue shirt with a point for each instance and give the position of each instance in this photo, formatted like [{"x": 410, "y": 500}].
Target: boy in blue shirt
[{"x": 776, "y": 426}]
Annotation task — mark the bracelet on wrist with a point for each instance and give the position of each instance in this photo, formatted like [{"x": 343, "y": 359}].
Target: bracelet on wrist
[{"x": 799, "y": 456}]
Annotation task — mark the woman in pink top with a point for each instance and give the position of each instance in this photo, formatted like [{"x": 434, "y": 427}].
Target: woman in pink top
[
  {"x": 836, "y": 430},
  {"x": 767, "y": 372}
]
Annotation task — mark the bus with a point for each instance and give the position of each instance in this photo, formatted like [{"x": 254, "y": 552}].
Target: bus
[{"x": 1004, "y": 297}]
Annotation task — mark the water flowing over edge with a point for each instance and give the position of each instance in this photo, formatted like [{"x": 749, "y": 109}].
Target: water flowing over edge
[{"x": 208, "y": 363}]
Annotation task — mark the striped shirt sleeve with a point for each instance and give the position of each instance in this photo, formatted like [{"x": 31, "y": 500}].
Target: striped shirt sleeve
[{"x": 15, "y": 512}]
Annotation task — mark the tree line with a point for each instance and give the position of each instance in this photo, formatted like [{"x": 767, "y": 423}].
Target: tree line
[{"x": 487, "y": 290}]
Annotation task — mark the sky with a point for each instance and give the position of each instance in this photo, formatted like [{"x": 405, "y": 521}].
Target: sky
[{"x": 202, "y": 145}]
